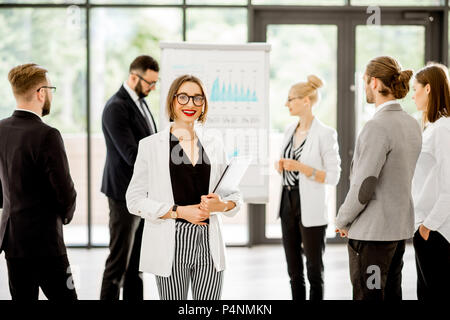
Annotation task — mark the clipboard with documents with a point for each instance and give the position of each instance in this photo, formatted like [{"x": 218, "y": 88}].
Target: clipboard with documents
[{"x": 232, "y": 175}]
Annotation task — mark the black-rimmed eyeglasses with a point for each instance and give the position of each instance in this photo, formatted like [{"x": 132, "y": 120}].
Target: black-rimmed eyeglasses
[
  {"x": 151, "y": 84},
  {"x": 183, "y": 99},
  {"x": 47, "y": 87},
  {"x": 293, "y": 98}
]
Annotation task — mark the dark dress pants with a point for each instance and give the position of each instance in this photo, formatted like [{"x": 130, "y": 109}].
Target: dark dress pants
[
  {"x": 51, "y": 274},
  {"x": 376, "y": 269},
  {"x": 122, "y": 264},
  {"x": 313, "y": 240},
  {"x": 433, "y": 267}
]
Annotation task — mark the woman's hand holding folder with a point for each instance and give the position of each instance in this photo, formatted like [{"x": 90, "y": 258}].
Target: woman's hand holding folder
[{"x": 213, "y": 203}]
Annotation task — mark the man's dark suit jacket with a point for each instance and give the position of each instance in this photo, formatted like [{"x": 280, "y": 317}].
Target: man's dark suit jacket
[
  {"x": 38, "y": 192},
  {"x": 123, "y": 126}
]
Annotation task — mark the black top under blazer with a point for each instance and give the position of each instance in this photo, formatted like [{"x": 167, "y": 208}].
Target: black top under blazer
[
  {"x": 189, "y": 182},
  {"x": 38, "y": 192},
  {"x": 123, "y": 126}
]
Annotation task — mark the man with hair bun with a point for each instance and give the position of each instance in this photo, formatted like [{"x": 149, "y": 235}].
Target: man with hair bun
[{"x": 377, "y": 215}]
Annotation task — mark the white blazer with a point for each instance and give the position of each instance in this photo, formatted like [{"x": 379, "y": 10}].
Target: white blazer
[
  {"x": 321, "y": 151},
  {"x": 431, "y": 182},
  {"x": 150, "y": 196}
]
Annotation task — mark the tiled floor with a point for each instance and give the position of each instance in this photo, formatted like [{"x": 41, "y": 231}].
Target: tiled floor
[{"x": 252, "y": 273}]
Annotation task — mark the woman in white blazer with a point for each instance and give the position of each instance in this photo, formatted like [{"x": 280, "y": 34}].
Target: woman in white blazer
[
  {"x": 309, "y": 160},
  {"x": 174, "y": 174},
  {"x": 431, "y": 185}
]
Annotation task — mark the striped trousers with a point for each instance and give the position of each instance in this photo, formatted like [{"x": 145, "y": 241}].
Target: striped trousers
[{"x": 192, "y": 262}]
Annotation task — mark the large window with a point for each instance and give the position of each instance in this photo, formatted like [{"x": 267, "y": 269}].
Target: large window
[
  {"x": 92, "y": 42},
  {"x": 386, "y": 40},
  {"x": 54, "y": 38},
  {"x": 298, "y": 51},
  {"x": 216, "y": 21},
  {"x": 218, "y": 25},
  {"x": 117, "y": 37}
]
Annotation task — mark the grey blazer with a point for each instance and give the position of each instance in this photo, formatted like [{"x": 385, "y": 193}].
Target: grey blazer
[{"x": 379, "y": 205}]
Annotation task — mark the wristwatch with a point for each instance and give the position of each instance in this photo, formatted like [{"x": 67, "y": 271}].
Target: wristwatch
[
  {"x": 173, "y": 213},
  {"x": 313, "y": 176}
]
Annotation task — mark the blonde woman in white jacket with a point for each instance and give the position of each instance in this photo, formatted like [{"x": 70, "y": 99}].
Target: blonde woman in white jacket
[
  {"x": 309, "y": 160},
  {"x": 431, "y": 185},
  {"x": 174, "y": 174}
]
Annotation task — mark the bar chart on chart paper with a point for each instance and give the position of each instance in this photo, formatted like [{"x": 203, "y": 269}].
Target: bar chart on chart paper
[
  {"x": 235, "y": 88},
  {"x": 233, "y": 92}
]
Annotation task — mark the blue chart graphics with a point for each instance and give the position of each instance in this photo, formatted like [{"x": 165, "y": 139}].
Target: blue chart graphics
[{"x": 231, "y": 93}]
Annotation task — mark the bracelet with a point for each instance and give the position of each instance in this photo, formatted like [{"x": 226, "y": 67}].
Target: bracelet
[{"x": 226, "y": 207}]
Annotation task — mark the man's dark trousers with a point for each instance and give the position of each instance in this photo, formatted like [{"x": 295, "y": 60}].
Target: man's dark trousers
[
  {"x": 122, "y": 265},
  {"x": 52, "y": 274},
  {"x": 376, "y": 269}
]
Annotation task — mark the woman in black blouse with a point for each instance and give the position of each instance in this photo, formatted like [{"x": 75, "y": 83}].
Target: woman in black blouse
[
  {"x": 189, "y": 182},
  {"x": 174, "y": 173}
]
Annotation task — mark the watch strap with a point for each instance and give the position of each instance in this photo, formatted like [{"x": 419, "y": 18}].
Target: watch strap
[{"x": 174, "y": 211}]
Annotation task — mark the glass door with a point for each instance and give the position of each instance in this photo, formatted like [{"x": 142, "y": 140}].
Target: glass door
[
  {"x": 302, "y": 45},
  {"x": 335, "y": 44},
  {"x": 391, "y": 40},
  {"x": 298, "y": 50}
]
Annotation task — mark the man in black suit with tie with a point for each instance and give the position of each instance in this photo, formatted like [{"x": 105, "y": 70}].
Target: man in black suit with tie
[
  {"x": 126, "y": 120},
  {"x": 38, "y": 192}
]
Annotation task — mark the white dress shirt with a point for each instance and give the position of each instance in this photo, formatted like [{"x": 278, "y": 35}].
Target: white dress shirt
[
  {"x": 431, "y": 183},
  {"x": 19, "y": 109},
  {"x": 136, "y": 99},
  {"x": 381, "y": 106}
]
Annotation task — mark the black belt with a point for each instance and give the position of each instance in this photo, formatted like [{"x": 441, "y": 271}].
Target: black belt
[{"x": 290, "y": 188}]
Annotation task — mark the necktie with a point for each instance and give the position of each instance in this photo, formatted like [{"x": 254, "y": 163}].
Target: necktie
[{"x": 147, "y": 120}]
